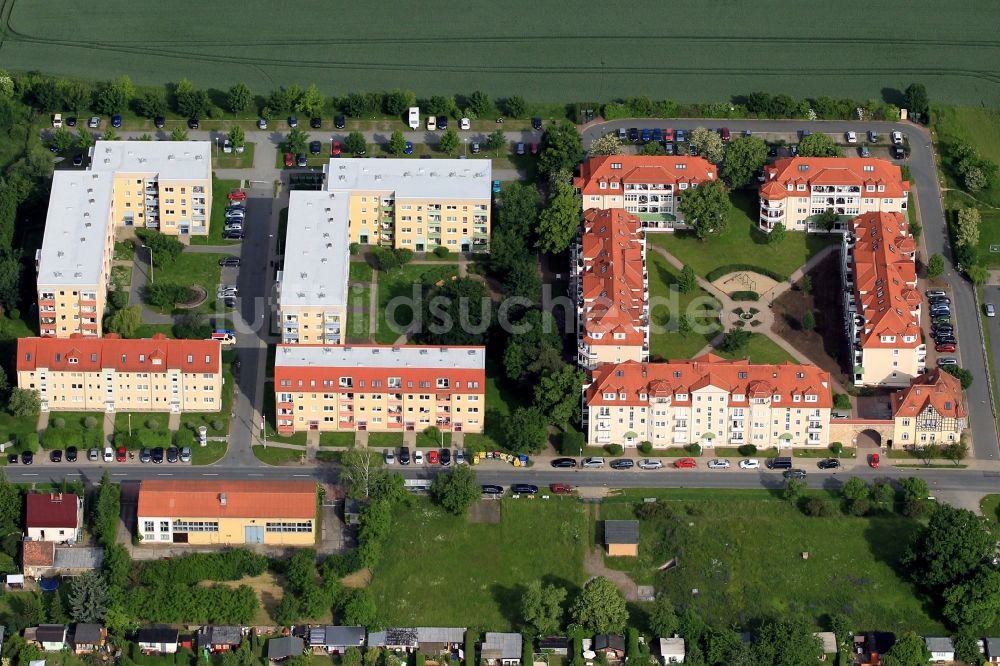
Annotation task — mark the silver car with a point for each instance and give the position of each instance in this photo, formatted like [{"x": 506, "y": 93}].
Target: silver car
[
  {"x": 650, "y": 463},
  {"x": 186, "y": 454},
  {"x": 593, "y": 463},
  {"x": 717, "y": 463},
  {"x": 390, "y": 457}
]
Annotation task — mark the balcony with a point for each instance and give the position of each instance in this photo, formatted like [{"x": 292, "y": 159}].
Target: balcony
[
  {"x": 814, "y": 426},
  {"x": 603, "y": 426}
]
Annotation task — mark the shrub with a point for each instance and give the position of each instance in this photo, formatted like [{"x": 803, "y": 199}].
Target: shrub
[
  {"x": 716, "y": 273},
  {"x": 836, "y": 448},
  {"x": 571, "y": 443},
  {"x": 614, "y": 449},
  {"x": 646, "y": 447},
  {"x": 90, "y": 422},
  {"x": 184, "y": 437},
  {"x": 28, "y": 442},
  {"x": 817, "y": 506},
  {"x": 748, "y": 450},
  {"x": 354, "y": 249},
  {"x": 217, "y": 424},
  {"x": 153, "y": 425},
  {"x": 166, "y": 296},
  {"x": 441, "y": 251},
  {"x": 745, "y": 296},
  {"x": 860, "y": 507},
  {"x": 58, "y": 422},
  {"x": 694, "y": 449},
  {"x": 841, "y": 401}
]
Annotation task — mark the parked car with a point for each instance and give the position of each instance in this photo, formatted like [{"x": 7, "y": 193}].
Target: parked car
[
  {"x": 418, "y": 457},
  {"x": 432, "y": 457},
  {"x": 145, "y": 455},
  {"x": 158, "y": 455},
  {"x": 593, "y": 463},
  {"x": 78, "y": 159},
  {"x": 121, "y": 454},
  {"x": 71, "y": 121},
  {"x": 650, "y": 463},
  {"x": 193, "y": 123},
  {"x": 794, "y": 474},
  {"x": 315, "y": 147},
  {"x": 750, "y": 463},
  {"x": 186, "y": 454},
  {"x": 490, "y": 489},
  {"x": 94, "y": 122},
  {"x": 669, "y": 149},
  {"x": 561, "y": 488},
  {"x": 520, "y": 150},
  {"x": 657, "y": 135},
  {"x": 289, "y": 159},
  {"x": 93, "y": 455},
  {"x": 229, "y": 261},
  {"x": 496, "y": 187},
  {"x": 717, "y": 463},
  {"x": 116, "y": 121},
  {"x": 679, "y": 136},
  {"x": 476, "y": 147},
  {"x": 432, "y": 123},
  {"x": 536, "y": 123},
  {"x": 935, "y": 293},
  {"x": 340, "y": 122},
  {"x": 897, "y": 138},
  {"x": 408, "y": 148},
  {"x": 444, "y": 455},
  {"x": 173, "y": 454},
  {"x": 237, "y": 195},
  {"x": 389, "y": 458},
  {"x": 524, "y": 489},
  {"x": 262, "y": 123},
  {"x": 442, "y": 122},
  {"x": 622, "y": 134},
  {"x": 459, "y": 457},
  {"x": 534, "y": 149},
  {"x": 622, "y": 463},
  {"x": 564, "y": 462},
  {"x": 335, "y": 148},
  {"x": 12, "y": 459},
  {"x": 404, "y": 456},
  {"x": 27, "y": 457},
  {"x": 685, "y": 463},
  {"x": 668, "y": 134},
  {"x": 829, "y": 463},
  {"x": 874, "y": 461},
  {"x": 872, "y": 136},
  {"x": 315, "y": 123},
  {"x": 465, "y": 124},
  {"x": 939, "y": 300},
  {"x": 301, "y": 160},
  {"x": 71, "y": 454},
  {"x": 633, "y": 134},
  {"x": 293, "y": 121},
  {"x": 898, "y": 152},
  {"x": 864, "y": 152},
  {"x": 109, "y": 454},
  {"x": 852, "y": 137},
  {"x": 56, "y": 455},
  {"x": 990, "y": 309},
  {"x": 947, "y": 360},
  {"x": 725, "y": 134},
  {"x": 940, "y": 320},
  {"x": 646, "y": 135}
]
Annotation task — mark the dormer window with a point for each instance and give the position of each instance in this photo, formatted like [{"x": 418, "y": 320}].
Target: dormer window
[
  {"x": 614, "y": 184},
  {"x": 881, "y": 188},
  {"x": 775, "y": 398},
  {"x": 801, "y": 187},
  {"x": 790, "y": 187},
  {"x": 796, "y": 398},
  {"x": 603, "y": 186},
  {"x": 609, "y": 396},
  {"x": 811, "y": 397},
  {"x": 869, "y": 188},
  {"x": 642, "y": 396},
  {"x": 683, "y": 186},
  {"x": 622, "y": 396},
  {"x": 616, "y": 165},
  {"x": 72, "y": 360}
]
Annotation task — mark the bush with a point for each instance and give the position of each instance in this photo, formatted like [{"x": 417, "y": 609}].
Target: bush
[
  {"x": 196, "y": 567},
  {"x": 614, "y": 449},
  {"x": 58, "y": 422},
  {"x": 28, "y": 442},
  {"x": 217, "y": 424},
  {"x": 441, "y": 251},
  {"x": 716, "y": 273},
  {"x": 748, "y": 450},
  {"x": 841, "y": 401},
  {"x": 184, "y": 437},
  {"x": 571, "y": 443},
  {"x": 694, "y": 449},
  {"x": 90, "y": 422},
  {"x": 354, "y": 249},
  {"x": 745, "y": 296},
  {"x": 836, "y": 448},
  {"x": 817, "y": 506},
  {"x": 153, "y": 425},
  {"x": 165, "y": 249},
  {"x": 166, "y": 296},
  {"x": 860, "y": 507},
  {"x": 646, "y": 447},
  {"x": 118, "y": 299}
]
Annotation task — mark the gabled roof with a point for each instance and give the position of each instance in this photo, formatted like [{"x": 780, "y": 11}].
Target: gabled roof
[
  {"x": 393, "y": 636},
  {"x": 935, "y": 388},
  {"x": 498, "y": 645},
  {"x": 331, "y": 635},
  {"x": 157, "y": 634},
  {"x": 609, "y": 642},
  {"x": 653, "y": 169},
  {"x": 51, "y": 633},
  {"x": 553, "y": 643},
  {"x": 52, "y": 510},
  {"x": 440, "y": 634},
  {"x": 809, "y": 171},
  {"x": 621, "y": 531},
  {"x": 939, "y": 644},
  {"x": 227, "y": 499},
  {"x": 220, "y": 634},
  {"x": 88, "y": 633},
  {"x": 284, "y": 647},
  {"x": 86, "y": 354},
  {"x": 37, "y": 553},
  {"x": 992, "y": 647}
]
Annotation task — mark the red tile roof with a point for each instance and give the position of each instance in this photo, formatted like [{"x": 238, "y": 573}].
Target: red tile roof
[
  {"x": 940, "y": 390},
  {"x": 659, "y": 169},
  {"x": 38, "y": 553},
  {"x": 612, "y": 279},
  {"x": 51, "y": 510},
  {"x": 809, "y": 171},
  {"x": 86, "y": 354},
  {"x": 243, "y": 499},
  {"x": 885, "y": 280},
  {"x": 680, "y": 377}
]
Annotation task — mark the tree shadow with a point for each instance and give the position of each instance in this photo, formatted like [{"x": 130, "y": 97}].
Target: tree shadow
[
  {"x": 508, "y": 600},
  {"x": 893, "y": 96}
]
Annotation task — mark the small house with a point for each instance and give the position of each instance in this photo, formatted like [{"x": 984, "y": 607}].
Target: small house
[
  {"x": 439, "y": 640},
  {"x": 611, "y": 645},
  {"x": 397, "y": 639},
  {"x": 336, "y": 639},
  {"x": 828, "y": 640},
  {"x": 50, "y": 637},
  {"x": 501, "y": 649},
  {"x": 941, "y": 648},
  {"x": 672, "y": 650},
  {"x": 219, "y": 638},
  {"x": 157, "y": 640},
  {"x": 15, "y": 581},
  {"x": 37, "y": 558},
  {"x": 554, "y": 645},
  {"x": 869, "y": 648},
  {"x": 286, "y": 647},
  {"x": 89, "y": 638},
  {"x": 55, "y": 517},
  {"x": 352, "y": 511},
  {"x": 992, "y": 649},
  {"x": 621, "y": 537}
]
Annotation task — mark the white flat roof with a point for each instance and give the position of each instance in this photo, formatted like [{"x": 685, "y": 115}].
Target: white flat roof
[
  {"x": 380, "y": 356},
  {"x": 170, "y": 160},
  {"x": 317, "y": 258},
  {"x": 439, "y": 179},
  {"x": 76, "y": 227}
]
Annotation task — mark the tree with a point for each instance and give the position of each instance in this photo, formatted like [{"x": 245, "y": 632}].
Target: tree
[
  {"x": 786, "y": 641},
  {"x": 74, "y": 94},
  {"x": 935, "y": 266},
  {"x": 449, "y": 142},
  {"x": 397, "y": 143},
  {"x": 558, "y": 394},
  {"x": 360, "y": 609},
  {"x": 63, "y": 139},
  {"x": 855, "y": 489},
  {"x": 967, "y": 227},
  {"x": 456, "y": 313},
  {"x": 296, "y": 141},
  {"x": 662, "y": 617},
  {"x": 440, "y": 105},
  {"x": 177, "y": 134},
  {"x": 525, "y": 430},
  {"x": 952, "y": 545},
  {"x": 480, "y": 104},
  {"x": 735, "y": 340},
  {"x": 561, "y": 149},
  {"x": 126, "y": 321},
  {"x": 110, "y": 134},
  {"x": 967, "y": 647},
  {"x": 708, "y": 144},
  {"x": 606, "y": 145},
  {"x": 908, "y": 650},
  {"x": 397, "y": 102},
  {"x": 793, "y": 489},
  {"x": 311, "y": 102},
  {"x": 978, "y": 273},
  {"x": 113, "y": 97},
  {"x": 536, "y": 350},
  {"x": 974, "y": 603},
  {"x": 685, "y": 325},
  {"x": 744, "y": 158},
  {"x": 883, "y": 495},
  {"x": 89, "y": 598},
  {"x": 705, "y": 209},
  {"x": 558, "y": 223},
  {"x": 456, "y": 490},
  {"x": 956, "y": 452},
  {"x": 541, "y": 607},
  {"x": 24, "y": 402},
  {"x": 777, "y": 234},
  {"x": 687, "y": 280},
  {"x": 239, "y": 98},
  {"x": 191, "y": 102},
  {"x": 151, "y": 104},
  {"x": 515, "y": 106},
  {"x": 808, "y": 320},
  {"x": 355, "y": 143},
  {"x": 360, "y": 467},
  {"x": 600, "y": 608},
  {"x": 495, "y": 141},
  {"x": 916, "y": 99},
  {"x": 964, "y": 376},
  {"x": 818, "y": 144}
]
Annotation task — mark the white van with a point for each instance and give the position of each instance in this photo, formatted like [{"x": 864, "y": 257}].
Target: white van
[
  {"x": 431, "y": 123},
  {"x": 414, "y": 117},
  {"x": 57, "y": 120}
]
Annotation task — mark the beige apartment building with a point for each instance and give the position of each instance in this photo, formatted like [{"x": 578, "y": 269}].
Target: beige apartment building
[
  {"x": 798, "y": 189},
  {"x": 649, "y": 186},
  {"x": 379, "y": 388},
  {"x": 930, "y": 411},
  {"x": 881, "y": 301},
  {"x": 312, "y": 287},
  {"x": 708, "y": 401},
  {"x": 110, "y": 374},
  {"x": 609, "y": 281},
  {"x": 414, "y": 204}
]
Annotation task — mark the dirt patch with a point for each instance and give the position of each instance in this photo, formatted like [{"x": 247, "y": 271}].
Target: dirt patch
[
  {"x": 744, "y": 281},
  {"x": 358, "y": 579},
  {"x": 485, "y": 511},
  {"x": 593, "y": 564},
  {"x": 826, "y": 345},
  {"x": 268, "y": 590}
]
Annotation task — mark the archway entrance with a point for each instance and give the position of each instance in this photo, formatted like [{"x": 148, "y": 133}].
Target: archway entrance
[{"x": 869, "y": 439}]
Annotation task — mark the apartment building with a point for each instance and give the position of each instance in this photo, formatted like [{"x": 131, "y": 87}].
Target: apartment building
[
  {"x": 649, "y": 186},
  {"x": 109, "y": 374},
  {"x": 232, "y": 513},
  {"x": 931, "y": 410},
  {"x": 379, "y": 388},
  {"x": 610, "y": 284},
  {"x": 708, "y": 401},
  {"x": 162, "y": 185},
  {"x": 312, "y": 287},
  {"x": 416, "y": 205},
  {"x": 881, "y": 301},
  {"x": 74, "y": 263},
  {"x": 796, "y": 190}
]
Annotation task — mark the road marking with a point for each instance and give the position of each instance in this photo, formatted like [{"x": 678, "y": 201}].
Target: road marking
[
  {"x": 207, "y": 474},
  {"x": 164, "y": 474},
  {"x": 255, "y": 475},
  {"x": 30, "y": 474},
  {"x": 74, "y": 474},
  {"x": 119, "y": 474},
  {"x": 301, "y": 475}
]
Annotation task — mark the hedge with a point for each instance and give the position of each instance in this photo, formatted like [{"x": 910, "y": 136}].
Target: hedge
[
  {"x": 745, "y": 296},
  {"x": 718, "y": 272}
]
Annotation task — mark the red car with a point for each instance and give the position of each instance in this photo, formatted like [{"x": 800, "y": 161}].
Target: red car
[
  {"x": 534, "y": 149},
  {"x": 685, "y": 463},
  {"x": 335, "y": 149},
  {"x": 121, "y": 454},
  {"x": 289, "y": 159},
  {"x": 945, "y": 347},
  {"x": 668, "y": 134},
  {"x": 561, "y": 488},
  {"x": 237, "y": 195},
  {"x": 432, "y": 457},
  {"x": 873, "y": 461}
]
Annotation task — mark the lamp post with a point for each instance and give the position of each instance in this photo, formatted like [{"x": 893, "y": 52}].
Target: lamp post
[{"x": 151, "y": 280}]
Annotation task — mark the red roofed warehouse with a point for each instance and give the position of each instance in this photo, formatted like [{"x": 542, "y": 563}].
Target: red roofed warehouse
[
  {"x": 227, "y": 512},
  {"x": 379, "y": 388},
  {"x": 53, "y": 517},
  {"x": 110, "y": 374},
  {"x": 881, "y": 301},
  {"x": 797, "y": 189},
  {"x": 931, "y": 410},
  {"x": 650, "y": 186},
  {"x": 610, "y": 284},
  {"x": 708, "y": 401}
]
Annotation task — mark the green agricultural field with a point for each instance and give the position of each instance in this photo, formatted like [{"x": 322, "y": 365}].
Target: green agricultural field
[{"x": 688, "y": 51}]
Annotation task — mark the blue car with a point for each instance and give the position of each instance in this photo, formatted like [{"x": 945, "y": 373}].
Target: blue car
[
  {"x": 116, "y": 121},
  {"x": 496, "y": 187},
  {"x": 408, "y": 150},
  {"x": 679, "y": 137},
  {"x": 658, "y": 135},
  {"x": 646, "y": 134}
]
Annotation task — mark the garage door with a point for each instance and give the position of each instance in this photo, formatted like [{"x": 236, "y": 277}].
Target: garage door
[{"x": 253, "y": 534}]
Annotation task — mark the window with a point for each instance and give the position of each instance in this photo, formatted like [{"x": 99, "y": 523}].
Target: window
[
  {"x": 304, "y": 526},
  {"x": 164, "y": 525},
  {"x": 442, "y": 382},
  {"x": 346, "y": 382},
  {"x": 148, "y": 526},
  {"x": 196, "y": 526}
]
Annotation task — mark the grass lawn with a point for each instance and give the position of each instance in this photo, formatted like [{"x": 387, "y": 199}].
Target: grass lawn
[
  {"x": 149, "y": 330},
  {"x": 401, "y": 283},
  {"x": 741, "y": 242},
  {"x": 274, "y": 456},
  {"x": 990, "y": 507},
  {"x": 192, "y": 268},
  {"x": 141, "y": 420},
  {"x": 121, "y": 276},
  {"x": 360, "y": 271},
  {"x": 989, "y": 234},
  {"x": 977, "y": 126},
  {"x": 212, "y": 419},
  {"x": 425, "y": 441},
  {"x": 342, "y": 439},
  {"x": 76, "y": 431},
  {"x": 220, "y": 188},
  {"x": 743, "y": 550},
  {"x": 380, "y": 439},
  {"x": 16, "y": 427},
  {"x": 235, "y": 160},
  {"x": 760, "y": 349},
  {"x": 501, "y": 399},
  {"x": 272, "y": 434},
  {"x": 358, "y": 314},
  {"x": 455, "y": 569},
  {"x": 664, "y": 339},
  {"x": 208, "y": 454}
]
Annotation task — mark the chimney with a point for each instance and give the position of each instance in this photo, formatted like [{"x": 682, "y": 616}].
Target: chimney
[{"x": 222, "y": 499}]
